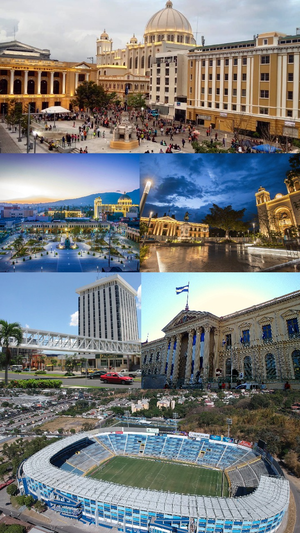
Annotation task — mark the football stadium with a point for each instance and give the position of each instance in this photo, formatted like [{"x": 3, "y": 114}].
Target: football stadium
[{"x": 142, "y": 480}]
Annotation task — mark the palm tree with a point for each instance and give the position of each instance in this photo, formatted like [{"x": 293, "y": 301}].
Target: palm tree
[{"x": 7, "y": 332}]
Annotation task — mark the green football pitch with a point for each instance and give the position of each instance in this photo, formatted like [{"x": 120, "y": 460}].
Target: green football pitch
[{"x": 162, "y": 475}]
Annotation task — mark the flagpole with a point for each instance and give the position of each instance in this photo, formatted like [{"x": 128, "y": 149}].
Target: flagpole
[{"x": 187, "y": 297}]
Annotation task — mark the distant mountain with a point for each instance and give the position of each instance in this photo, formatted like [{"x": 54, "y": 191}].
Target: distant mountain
[{"x": 107, "y": 198}]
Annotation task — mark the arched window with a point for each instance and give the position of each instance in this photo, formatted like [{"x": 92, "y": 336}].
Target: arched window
[
  {"x": 56, "y": 87},
  {"x": 17, "y": 87},
  {"x": 44, "y": 87},
  {"x": 3, "y": 86},
  {"x": 143, "y": 62},
  {"x": 149, "y": 61},
  {"x": 136, "y": 62},
  {"x": 270, "y": 366},
  {"x": 296, "y": 363},
  {"x": 31, "y": 87},
  {"x": 247, "y": 367},
  {"x": 130, "y": 63},
  {"x": 228, "y": 367}
]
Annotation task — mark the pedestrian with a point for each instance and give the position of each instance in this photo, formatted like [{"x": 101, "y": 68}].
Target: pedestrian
[
  {"x": 183, "y": 143},
  {"x": 211, "y": 141},
  {"x": 216, "y": 136}
]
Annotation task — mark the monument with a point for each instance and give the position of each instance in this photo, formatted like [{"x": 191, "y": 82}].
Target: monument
[{"x": 124, "y": 134}]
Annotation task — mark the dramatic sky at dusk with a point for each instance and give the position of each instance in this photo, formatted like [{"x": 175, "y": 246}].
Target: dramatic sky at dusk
[
  {"x": 70, "y": 28},
  {"x": 195, "y": 182},
  {"x": 49, "y": 301},
  {"x": 219, "y": 294},
  {"x": 40, "y": 178}
]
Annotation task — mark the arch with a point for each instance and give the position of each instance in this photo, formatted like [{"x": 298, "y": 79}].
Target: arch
[
  {"x": 296, "y": 363},
  {"x": 136, "y": 62},
  {"x": 44, "y": 87},
  {"x": 3, "y": 86},
  {"x": 247, "y": 367},
  {"x": 17, "y": 87},
  {"x": 228, "y": 367},
  {"x": 31, "y": 87},
  {"x": 56, "y": 87},
  {"x": 149, "y": 61},
  {"x": 130, "y": 63},
  {"x": 143, "y": 62},
  {"x": 270, "y": 366}
]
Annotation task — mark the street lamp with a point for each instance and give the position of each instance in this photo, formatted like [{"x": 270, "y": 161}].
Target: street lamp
[
  {"x": 144, "y": 197},
  {"x": 229, "y": 423}
]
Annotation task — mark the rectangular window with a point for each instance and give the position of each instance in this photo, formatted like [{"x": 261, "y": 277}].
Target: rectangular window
[
  {"x": 209, "y": 104},
  {"x": 210, "y": 77},
  {"x": 227, "y": 62},
  {"x": 245, "y": 338},
  {"x": 234, "y": 77},
  {"x": 217, "y": 105},
  {"x": 264, "y": 110},
  {"x": 289, "y": 113},
  {"x": 218, "y": 77},
  {"x": 290, "y": 95},
  {"x": 225, "y": 106},
  {"x": 265, "y": 60},
  {"x": 291, "y": 58},
  {"x": 264, "y": 76},
  {"x": 226, "y": 77},
  {"x": 218, "y": 62},
  {"x": 233, "y": 107},
  {"x": 234, "y": 92},
  {"x": 267, "y": 333},
  {"x": 209, "y": 90},
  {"x": 290, "y": 76},
  {"x": 264, "y": 94},
  {"x": 203, "y": 63},
  {"x": 203, "y": 77},
  {"x": 293, "y": 328},
  {"x": 244, "y": 76},
  {"x": 228, "y": 341},
  {"x": 217, "y": 90},
  {"x": 210, "y": 63},
  {"x": 167, "y": 81},
  {"x": 202, "y": 90},
  {"x": 243, "y": 92},
  {"x": 244, "y": 61},
  {"x": 235, "y": 61},
  {"x": 243, "y": 108},
  {"x": 226, "y": 92}
]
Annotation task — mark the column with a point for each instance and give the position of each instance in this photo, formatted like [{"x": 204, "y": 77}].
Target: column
[
  {"x": 170, "y": 357},
  {"x": 64, "y": 83},
  {"x": 230, "y": 77},
  {"x": 296, "y": 86},
  {"x": 221, "y": 83},
  {"x": 76, "y": 80},
  {"x": 177, "y": 357},
  {"x": 206, "y": 351},
  {"x": 197, "y": 352},
  {"x": 87, "y": 76},
  {"x": 39, "y": 82},
  {"x": 206, "y": 83},
  {"x": 165, "y": 355},
  {"x": 283, "y": 78},
  {"x": 249, "y": 90},
  {"x": 51, "y": 82},
  {"x": 25, "y": 82},
  {"x": 188, "y": 366},
  {"x": 239, "y": 86},
  {"x": 12, "y": 79}
]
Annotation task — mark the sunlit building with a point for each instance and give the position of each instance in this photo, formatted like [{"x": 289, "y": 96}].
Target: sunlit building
[
  {"x": 166, "y": 228},
  {"x": 124, "y": 205}
]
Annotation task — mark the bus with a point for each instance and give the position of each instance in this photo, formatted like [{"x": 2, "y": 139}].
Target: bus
[{"x": 16, "y": 368}]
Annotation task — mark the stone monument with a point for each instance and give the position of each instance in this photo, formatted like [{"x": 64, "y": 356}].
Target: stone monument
[{"x": 124, "y": 134}]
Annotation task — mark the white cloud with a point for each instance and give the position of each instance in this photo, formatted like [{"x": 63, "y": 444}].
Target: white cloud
[
  {"x": 139, "y": 297},
  {"x": 74, "y": 319}
]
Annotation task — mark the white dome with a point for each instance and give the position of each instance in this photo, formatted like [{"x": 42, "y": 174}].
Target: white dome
[{"x": 168, "y": 19}]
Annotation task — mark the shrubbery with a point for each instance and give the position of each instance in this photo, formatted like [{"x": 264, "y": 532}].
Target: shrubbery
[{"x": 35, "y": 384}]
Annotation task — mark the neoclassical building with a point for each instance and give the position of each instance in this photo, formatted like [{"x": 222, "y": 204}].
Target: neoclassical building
[
  {"x": 29, "y": 76},
  {"x": 260, "y": 343},
  {"x": 166, "y": 227},
  {"x": 281, "y": 213},
  {"x": 129, "y": 69},
  {"x": 123, "y": 205}
]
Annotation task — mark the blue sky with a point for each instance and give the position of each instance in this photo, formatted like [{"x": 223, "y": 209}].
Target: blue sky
[
  {"x": 196, "y": 181},
  {"x": 57, "y": 178},
  {"x": 220, "y": 294},
  {"x": 47, "y": 301}
]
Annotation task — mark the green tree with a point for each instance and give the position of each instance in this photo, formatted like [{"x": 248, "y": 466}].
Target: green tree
[
  {"x": 89, "y": 95},
  {"x": 12, "y": 489},
  {"x": 8, "y": 332},
  {"x": 137, "y": 101},
  {"x": 226, "y": 219}
]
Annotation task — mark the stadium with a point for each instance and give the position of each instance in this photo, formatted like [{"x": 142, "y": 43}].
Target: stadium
[{"x": 140, "y": 480}]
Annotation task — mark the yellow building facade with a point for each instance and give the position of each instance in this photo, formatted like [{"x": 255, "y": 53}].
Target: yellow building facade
[
  {"x": 29, "y": 76},
  {"x": 250, "y": 85},
  {"x": 123, "y": 205},
  {"x": 165, "y": 228}
]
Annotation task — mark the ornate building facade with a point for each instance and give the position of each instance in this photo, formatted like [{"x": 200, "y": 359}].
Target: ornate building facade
[
  {"x": 29, "y": 76},
  {"x": 164, "y": 228},
  {"x": 123, "y": 205},
  {"x": 281, "y": 213},
  {"x": 251, "y": 85},
  {"x": 260, "y": 343}
]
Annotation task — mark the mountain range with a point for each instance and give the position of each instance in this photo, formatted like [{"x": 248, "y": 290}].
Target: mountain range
[{"x": 107, "y": 198}]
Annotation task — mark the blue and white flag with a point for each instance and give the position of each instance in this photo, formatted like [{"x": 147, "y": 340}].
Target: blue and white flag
[{"x": 179, "y": 290}]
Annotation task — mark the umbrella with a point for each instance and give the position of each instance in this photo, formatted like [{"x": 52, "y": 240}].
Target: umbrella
[
  {"x": 266, "y": 148},
  {"x": 55, "y": 109},
  {"x": 196, "y": 132}
]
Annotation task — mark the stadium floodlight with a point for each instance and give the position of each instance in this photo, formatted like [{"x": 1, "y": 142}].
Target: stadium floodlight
[{"x": 229, "y": 423}]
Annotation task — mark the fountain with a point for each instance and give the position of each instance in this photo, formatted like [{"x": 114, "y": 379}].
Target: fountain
[{"x": 124, "y": 134}]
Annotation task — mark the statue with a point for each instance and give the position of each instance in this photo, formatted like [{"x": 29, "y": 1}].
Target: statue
[{"x": 186, "y": 216}]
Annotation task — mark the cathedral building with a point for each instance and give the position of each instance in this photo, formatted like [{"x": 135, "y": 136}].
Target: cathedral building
[
  {"x": 124, "y": 205},
  {"x": 166, "y": 227},
  {"x": 281, "y": 213},
  {"x": 260, "y": 343}
]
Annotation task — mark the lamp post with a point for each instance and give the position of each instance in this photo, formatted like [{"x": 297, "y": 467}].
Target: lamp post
[
  {"x": 229, "y": 423},
  {"x": 144, "y": 197},
  {"x": 28, "y": 129}
]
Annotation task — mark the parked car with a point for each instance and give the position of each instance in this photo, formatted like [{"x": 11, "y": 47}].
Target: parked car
[
  {"x": 116, "y": 377},
  {"x": 131, "y": 373},
  {"x": 248, "y": 386},
  {"x": 96, "y": 374}
]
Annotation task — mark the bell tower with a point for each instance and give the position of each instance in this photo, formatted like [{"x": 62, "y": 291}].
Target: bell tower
[{"x": 104, "y": 44}]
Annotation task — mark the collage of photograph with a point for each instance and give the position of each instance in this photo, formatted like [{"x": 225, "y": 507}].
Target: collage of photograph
[{"x": 150, "y": 267}]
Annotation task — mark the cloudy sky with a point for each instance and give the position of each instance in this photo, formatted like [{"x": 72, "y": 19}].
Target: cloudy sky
[
  {"x": 40, "y": 178},
  {"x": 217, "y": 293},
  {"x": 195, "y": 182},
  {"x": 70, "y": 28}
]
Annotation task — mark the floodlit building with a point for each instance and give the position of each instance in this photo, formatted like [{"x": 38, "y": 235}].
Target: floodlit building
[
  {"x": 259, "y": 343},
  {"x": 282, "y": 213},
  {"x": 166, "y": 228},
  {"x": 124, "y": 205},
  {"x": 248, "y": 85}
]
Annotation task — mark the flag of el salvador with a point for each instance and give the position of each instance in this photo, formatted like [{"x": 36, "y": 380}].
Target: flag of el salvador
[{"x": 179, "y": 290}]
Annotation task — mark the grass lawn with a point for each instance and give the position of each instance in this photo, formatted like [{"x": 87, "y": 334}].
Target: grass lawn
[{"x": 161, "y": 475}]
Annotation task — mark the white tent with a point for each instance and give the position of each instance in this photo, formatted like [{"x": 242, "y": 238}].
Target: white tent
[{"x": 55, "y": 109}]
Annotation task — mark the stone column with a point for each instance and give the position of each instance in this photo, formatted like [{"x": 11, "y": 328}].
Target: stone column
[
  {"x": 39, "y": 82},
  {"x": 197, "y": 352},
  {"x": 177, "y": 357},
  {"x": 25, "y": 82},
  {"x": 12, "y": 79},
  {"x": 64, "y": 83},
  {"x": 87, "y": 77},
  {"x": 206, "y": 351},
  {"x": 188, "y": 366},
  {"x": 51, "y": 82},
  {"x": 165, "y": 355},
  {"x": 170, "y": 357},
  {"x": 76, "y": 80}
]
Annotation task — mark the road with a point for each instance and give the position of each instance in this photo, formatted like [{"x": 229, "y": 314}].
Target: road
[{"x": 75, "y": 382}]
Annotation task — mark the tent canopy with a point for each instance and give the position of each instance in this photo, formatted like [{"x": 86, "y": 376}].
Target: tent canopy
[{"x": 55, "y": 109}]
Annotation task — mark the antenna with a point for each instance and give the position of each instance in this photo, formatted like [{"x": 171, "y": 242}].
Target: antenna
[{"x": 92, "y": 59}]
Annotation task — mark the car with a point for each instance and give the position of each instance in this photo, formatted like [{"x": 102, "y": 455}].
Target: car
[
  {"x": 116, "y": 377},
  {"x": 131, "y": 373},
  {"x": 96, "y": 374},
  {"x": 248, "y": 386}
]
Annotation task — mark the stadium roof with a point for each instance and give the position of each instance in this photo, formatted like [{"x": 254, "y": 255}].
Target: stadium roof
[{"x": 271, "y": 496}]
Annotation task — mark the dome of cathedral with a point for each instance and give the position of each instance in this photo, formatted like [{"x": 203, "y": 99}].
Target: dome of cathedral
[
  {"x": 104, "y": 35},
  {"x": 133, "y": 40},
  {"x": 168, "y": 19},
  {"x": 124, "y": 197}
]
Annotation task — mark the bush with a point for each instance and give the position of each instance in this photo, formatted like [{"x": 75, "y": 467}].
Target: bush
[
  {"x": 12, "y": 489},
  {"x": 40, "y": 372}
]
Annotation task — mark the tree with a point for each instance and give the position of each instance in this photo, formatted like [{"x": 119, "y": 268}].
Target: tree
[
  {"x": 226, "y": 219},
  {"x": 12, "y": 489},
  {"x": 90, "y": 95},
  {"x": 7, "y": 333},
  {"x": 137, "y": 101}
]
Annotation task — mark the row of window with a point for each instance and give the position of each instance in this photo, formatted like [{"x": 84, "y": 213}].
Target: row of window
[
  {"x": 31, "y": 87},
  {"x": 263, "y": 93},
  {"x": 264, "y": 60},
  {"x": 129, "y": 86},
  {"x": 271, "y": 370},
  {"x": 292, "y": 330},
  {"x": 31, "y": 73}
]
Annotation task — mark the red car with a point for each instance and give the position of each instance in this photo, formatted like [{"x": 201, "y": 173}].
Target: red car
[{"x": 115, "y": 377}]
